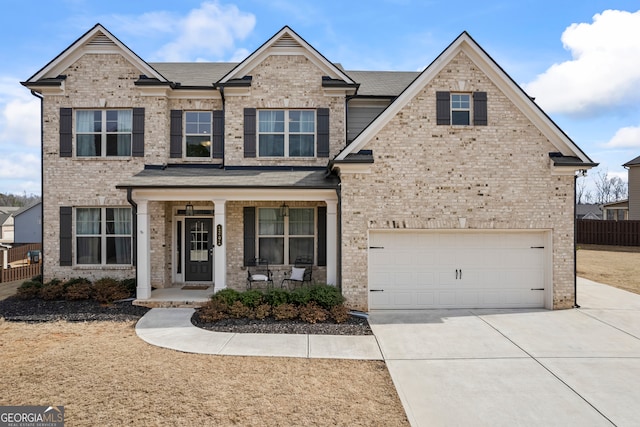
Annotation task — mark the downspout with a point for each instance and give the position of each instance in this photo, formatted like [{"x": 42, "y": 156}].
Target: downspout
[
  {"x": 223, "y": 114},
  {"x": 134, "y": 230},
  {"x": 575, "y": 244},
  {"x": 37, "y": 95},
  {"x": 339, "y": 231}
]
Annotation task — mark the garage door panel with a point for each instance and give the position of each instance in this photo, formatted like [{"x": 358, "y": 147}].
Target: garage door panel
[{"x": 457, "y": 270}]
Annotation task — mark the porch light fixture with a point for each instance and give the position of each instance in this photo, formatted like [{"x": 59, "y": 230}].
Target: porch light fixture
[
  {"x": 284, "y": 210},
  {"x": 188, "y": 209}
]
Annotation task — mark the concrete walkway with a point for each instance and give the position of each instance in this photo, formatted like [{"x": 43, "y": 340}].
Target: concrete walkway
[
  {"x": 172, "y": 328},
  {"x": 472, "y": 367},
  {"x": 518, "y": 367}
]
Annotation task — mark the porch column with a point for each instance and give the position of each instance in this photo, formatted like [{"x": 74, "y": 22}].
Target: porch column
[
  {"x": 332, "y": 241},
  {"x": 143, "y": 245},
  {"x": 220, "y": 242},
  {"x": 5, "y": 258}
]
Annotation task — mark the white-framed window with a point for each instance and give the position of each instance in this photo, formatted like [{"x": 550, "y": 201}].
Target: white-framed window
[
  {"x": 460, "y": 109},
  {"x": 197, "y": 131},
  {"x": 286, "y": 133},
  {"x": 103, "y": 133},
  {"x": 103, "y": 236},
  {"x": 282, "y": 239}
]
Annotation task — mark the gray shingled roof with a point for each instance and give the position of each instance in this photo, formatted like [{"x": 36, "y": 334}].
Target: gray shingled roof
[
  {"x": 633, "y": 162},
  {"x": 372, "y": 83},
  {"x": 382, "y": 83},
  {"x": 192, "y": 177},
  {"x": 193, "y": 73}
]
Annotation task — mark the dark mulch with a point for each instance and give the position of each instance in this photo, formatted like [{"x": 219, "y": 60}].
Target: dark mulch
[
  {"x": 38, "y": 310},
  {"x": 353, "y": 326}
]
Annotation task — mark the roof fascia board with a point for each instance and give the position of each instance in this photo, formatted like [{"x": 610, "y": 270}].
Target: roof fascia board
[
  {"x": 239, "y": 194},
  {"x": 496, "y": 74},
  {"x": 78, "y": 48},
  {"x": 267, "y": 49}
]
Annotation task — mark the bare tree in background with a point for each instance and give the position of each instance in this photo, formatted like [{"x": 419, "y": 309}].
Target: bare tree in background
[
  {"x": 609, "y": 189},
  {"x": 583, "y": 195}
]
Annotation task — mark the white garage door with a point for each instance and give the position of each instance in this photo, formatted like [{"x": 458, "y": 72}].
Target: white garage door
[{"x": 419, "y": 269}]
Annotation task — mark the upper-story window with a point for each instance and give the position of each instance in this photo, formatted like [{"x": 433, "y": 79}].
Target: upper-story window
[
  {"x": 460, "y": 108},
  {"x": 101, "y": 133},
  {"x": 197, "y": 133},
  {"x": 286, "y": 133}
]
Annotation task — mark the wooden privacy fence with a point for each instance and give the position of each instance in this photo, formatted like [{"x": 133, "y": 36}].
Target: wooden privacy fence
[
  {"x": 20, "y": 252},
  {"x": 601, "y": 232},
  {"x": 20, "y": 273}
]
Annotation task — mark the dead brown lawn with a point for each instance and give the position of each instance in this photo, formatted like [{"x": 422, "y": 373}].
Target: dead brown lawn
[
  {"x": 105, "y": 375},
  {"x": 617, "y": 266}
]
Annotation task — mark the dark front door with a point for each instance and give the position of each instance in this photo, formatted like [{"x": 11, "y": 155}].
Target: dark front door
[{"x": 198, "y": 257}]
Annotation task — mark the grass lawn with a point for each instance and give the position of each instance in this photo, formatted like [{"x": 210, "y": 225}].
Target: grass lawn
[
  {"x": 105, "y": 375},
  {"x": 617, "y": 266}
]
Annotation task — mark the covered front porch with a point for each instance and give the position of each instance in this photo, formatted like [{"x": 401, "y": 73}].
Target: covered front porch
[{"x": 200, "y": 226}]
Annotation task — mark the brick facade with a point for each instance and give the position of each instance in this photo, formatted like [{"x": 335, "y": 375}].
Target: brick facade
[
  {"x": 424, "y": 176},
  {"x": 427, "y": 176}
]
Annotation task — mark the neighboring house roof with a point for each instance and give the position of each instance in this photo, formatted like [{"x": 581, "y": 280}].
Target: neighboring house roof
[
  {"x": 588, "y": 211},
  {"x": 634, "y": 162},
  {"x": 6, "y": 213},
  {"x": 569, "y": 151},
  {"x": 239, "y": 177},
  {"x": 617, "y": 204},
  {"x": 26, "y": 208}
]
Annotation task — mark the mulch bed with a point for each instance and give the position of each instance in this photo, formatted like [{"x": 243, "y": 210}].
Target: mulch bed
[
  {"x": 353, "y": 326},
  {"x": 37, "y": 310}
]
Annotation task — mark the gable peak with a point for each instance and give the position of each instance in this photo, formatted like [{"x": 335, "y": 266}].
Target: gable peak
[{"x": 286, "y": 41}]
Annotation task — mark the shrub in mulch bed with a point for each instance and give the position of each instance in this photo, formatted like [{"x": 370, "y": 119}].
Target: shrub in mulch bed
[
  {"x": 316, "y": 309},
  {"x": 74, "y": 300}
]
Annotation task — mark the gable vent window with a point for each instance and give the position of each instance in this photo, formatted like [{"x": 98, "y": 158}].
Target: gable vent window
[{"x": 460, "y": 108}]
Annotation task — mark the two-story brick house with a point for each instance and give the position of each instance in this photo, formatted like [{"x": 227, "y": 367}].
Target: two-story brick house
[{"x": 445, "y": 188}]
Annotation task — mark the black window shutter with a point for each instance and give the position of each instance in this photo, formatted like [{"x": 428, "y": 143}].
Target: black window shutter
[
  {"x": 443, "y": 108},
  {"x": 480, "y": 108},
  {"x": 323, "y": 132},
  {"x": 322, "y": 235},
  {"x": 218, "y": 134},
  {"x": 249, "y": 216},
  {"x": 66, "y": 132},
  {"x": 66, "y": 223},
  {"x": 249, "y": 132},
  {"x": 137, "y": 134},
  {"x": 175, "y": 142}
]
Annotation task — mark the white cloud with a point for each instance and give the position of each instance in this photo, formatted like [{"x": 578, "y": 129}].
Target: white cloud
[
  {"x": 604, "y": 72},
  {"x": 626, "y": 137},
  {"x": 210, "y": 30}
]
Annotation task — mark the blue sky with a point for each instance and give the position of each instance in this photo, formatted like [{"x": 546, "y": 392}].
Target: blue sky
[{"x": 580, "y": 59}]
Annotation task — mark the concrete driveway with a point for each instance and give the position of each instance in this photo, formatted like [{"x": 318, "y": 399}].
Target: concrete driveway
[{"x": 518, "y": 367}]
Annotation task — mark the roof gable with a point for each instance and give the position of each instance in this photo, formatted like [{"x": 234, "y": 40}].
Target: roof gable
[
  {"x": 96, "y": 40},
  {"x": 465, "y": 43},
  {"x": 286, "y": 42}
]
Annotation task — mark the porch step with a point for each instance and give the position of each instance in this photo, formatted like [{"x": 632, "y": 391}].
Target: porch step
[
  {"x": 176, "y": 297},
  {"x": 169, "y": 304}
]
